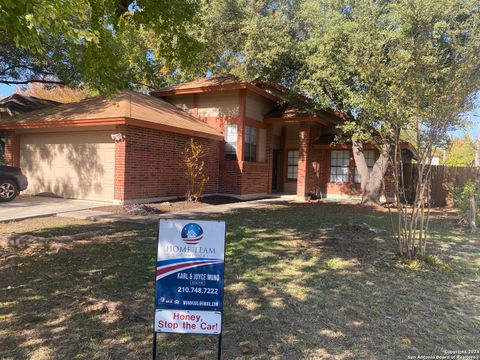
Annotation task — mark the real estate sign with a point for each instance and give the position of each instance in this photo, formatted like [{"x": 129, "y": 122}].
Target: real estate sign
[{"x": 189, "y": 276}]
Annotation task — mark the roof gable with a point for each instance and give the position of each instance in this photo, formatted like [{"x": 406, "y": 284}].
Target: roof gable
[{"x": 20, "y": 103}]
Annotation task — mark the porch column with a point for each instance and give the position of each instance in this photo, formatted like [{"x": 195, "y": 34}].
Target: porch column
[
  {"x": 269, "y": 156},
  {"x": 12, "y": 149},
  {"x": 120, "y": 168},
  {"x": 303, "y": 160},
  {"x": 241, "y": 126}
]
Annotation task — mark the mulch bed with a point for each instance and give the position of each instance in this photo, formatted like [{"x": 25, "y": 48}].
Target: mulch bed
[{"x": 172, "y": 205}]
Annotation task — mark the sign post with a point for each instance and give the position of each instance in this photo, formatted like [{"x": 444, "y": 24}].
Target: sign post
[{"x": 189, "y": 276}]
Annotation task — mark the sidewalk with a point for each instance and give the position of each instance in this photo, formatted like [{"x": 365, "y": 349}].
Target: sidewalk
[{"x": 94, "y": 215}]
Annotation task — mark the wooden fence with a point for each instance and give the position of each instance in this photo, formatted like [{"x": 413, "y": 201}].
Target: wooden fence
[{"x": 443, "y": 180}]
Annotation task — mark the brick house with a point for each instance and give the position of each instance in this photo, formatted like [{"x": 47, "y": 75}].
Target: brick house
[{"x": 130, "y": 149}]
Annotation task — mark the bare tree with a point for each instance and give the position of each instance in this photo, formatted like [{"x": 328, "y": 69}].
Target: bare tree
[
  {"x": 62, "y": 94},
  {"x": 195, "y": 170}
]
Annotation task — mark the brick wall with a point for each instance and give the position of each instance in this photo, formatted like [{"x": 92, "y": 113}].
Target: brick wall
[
  {"x": 255, "y": 178},
  {"x": 119, "y": 179},
  {"x": 244, "y": 178},
  {"x": 319, "y": 177},
  {"x": 230, "y": 177},
  {"x": 304, "y": 160},
  {"x": 12, "y": 150},
  {"x": 153, "y": 164}
]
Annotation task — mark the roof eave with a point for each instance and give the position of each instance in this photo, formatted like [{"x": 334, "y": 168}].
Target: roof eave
[
  {"x": 110, "y": 121},
  {"x": 51, "y": 124},
  {"x": 213, "y": 88},
  {"x": 297, "y": 119}
]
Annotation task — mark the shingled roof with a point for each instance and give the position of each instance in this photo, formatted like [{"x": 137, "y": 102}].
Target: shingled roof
[
  {"x": 19, "y": 103},
  {"x": 214, "y": 83},
  {"x": 126, "y": 107},
  {"x": 204, "y": 82}
]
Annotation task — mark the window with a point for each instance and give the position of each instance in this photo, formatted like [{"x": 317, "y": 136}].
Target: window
[
  {"x": 370, "y": 159},
  {"x": 230, "y": 142},
  {"x": 250, "y": 144},
  {"x": 339, "y": 162},
  {"x": 292, "y": 165}
]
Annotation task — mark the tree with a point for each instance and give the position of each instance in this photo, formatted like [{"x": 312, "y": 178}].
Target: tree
[
  {"x": 390, "y": 67},
  {"x": 461, "y": 152},
  {"x": 393, "y": 67},
  {"x": 62, "y": 94},
  {"x": 100, "y": 44},
  {"x": 195, "y": 170}
]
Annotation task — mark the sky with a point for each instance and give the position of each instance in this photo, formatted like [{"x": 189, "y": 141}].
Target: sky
[
  {"x": 6, "y": 90},
  {"x": 474, "y": 116}
]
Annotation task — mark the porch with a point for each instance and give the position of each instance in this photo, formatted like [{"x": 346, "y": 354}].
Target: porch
[{"x": 305, "y": 164}]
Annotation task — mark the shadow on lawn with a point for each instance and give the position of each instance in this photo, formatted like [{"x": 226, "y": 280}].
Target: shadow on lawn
[{"x": 300, "y": 283}]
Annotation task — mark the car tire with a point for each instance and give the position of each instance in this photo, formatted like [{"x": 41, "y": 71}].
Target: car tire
[{"x": 8, "y": 190}]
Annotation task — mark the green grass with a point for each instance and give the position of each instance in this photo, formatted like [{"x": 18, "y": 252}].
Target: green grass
[{"x": 301, "y": 283}]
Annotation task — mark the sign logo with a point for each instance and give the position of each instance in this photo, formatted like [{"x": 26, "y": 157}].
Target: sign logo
[{"x": 192, "y": 233}]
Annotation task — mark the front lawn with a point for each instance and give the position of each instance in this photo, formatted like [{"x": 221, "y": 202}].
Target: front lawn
[{"x": 303, "y": 281}]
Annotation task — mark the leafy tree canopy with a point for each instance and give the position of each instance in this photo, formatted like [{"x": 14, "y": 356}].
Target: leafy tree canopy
[
  {"x": 380, "y": 62},
  {"x": 101, "y": 44},
  {"x": 461, "y": 152}
]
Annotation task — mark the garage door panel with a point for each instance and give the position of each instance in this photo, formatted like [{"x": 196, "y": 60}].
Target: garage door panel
[{"x": 71, "y": 166}]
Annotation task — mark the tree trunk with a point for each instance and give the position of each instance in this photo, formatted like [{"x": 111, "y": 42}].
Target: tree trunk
[
  {"x": 370, "y": 183},
  {"x": 361, "y": 164},
  {"x": 374, "y": 187}
]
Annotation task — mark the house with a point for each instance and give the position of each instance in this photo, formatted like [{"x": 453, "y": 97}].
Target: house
[{"x": 129, "y": 149}]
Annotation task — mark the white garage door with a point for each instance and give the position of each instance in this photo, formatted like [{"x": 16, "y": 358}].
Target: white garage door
[{"x": 76, "y": 166}]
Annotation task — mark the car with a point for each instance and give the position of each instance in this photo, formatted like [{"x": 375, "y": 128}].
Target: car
[{"x": 12, "y": 181}]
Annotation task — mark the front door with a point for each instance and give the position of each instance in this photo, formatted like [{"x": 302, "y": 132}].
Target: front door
[{"x": 277, "y": 171}]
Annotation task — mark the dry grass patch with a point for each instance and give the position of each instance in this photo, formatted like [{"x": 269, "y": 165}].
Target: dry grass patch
[{"x": 302, "y": 282}]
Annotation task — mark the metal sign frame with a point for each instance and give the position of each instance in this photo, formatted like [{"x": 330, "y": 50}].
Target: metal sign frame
[{"x": 219, "y": 335}]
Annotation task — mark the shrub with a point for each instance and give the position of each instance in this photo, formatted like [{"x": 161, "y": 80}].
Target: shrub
[
  {"x": 195, "y": 170},
  {"x": 462, "y": 196}
]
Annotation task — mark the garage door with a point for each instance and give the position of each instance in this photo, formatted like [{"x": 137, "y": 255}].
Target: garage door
[{"x": 77, "y": 166}]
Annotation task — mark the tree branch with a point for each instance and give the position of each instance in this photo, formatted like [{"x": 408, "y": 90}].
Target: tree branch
[{"x": 24, "y": 82}]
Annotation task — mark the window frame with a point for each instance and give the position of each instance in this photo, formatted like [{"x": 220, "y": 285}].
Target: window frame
[
  {"x": 335, "y": 165},
  {"x": 294, "y": 165},
  {"x": 250, "y": 143},
  {"x": 230, "y": 154}
]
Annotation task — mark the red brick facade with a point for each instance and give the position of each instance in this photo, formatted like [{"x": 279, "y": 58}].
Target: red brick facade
[
  {"x": 319, "y": 175},
  {"x": 304, "y": 163},
  {"x": 244, "y": 178},
  {"x": 151, "y": 163},
  {"x": 12, "y": 150},
  {"x": 148, "y": 162},
  {"x": 238, "y": 177}
]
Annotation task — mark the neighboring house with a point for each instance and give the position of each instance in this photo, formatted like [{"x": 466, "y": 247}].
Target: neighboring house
[
  {"x": 434, "y": 160},
  {"x": 18, "y": 104},
  {"x": 130, "y": 149}
]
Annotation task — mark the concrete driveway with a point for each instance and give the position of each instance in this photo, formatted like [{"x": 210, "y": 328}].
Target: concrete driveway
[{"x": 25, "y": 207}]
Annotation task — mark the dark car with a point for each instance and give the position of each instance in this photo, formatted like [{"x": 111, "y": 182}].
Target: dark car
[{"x": 12, "y": 181}]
